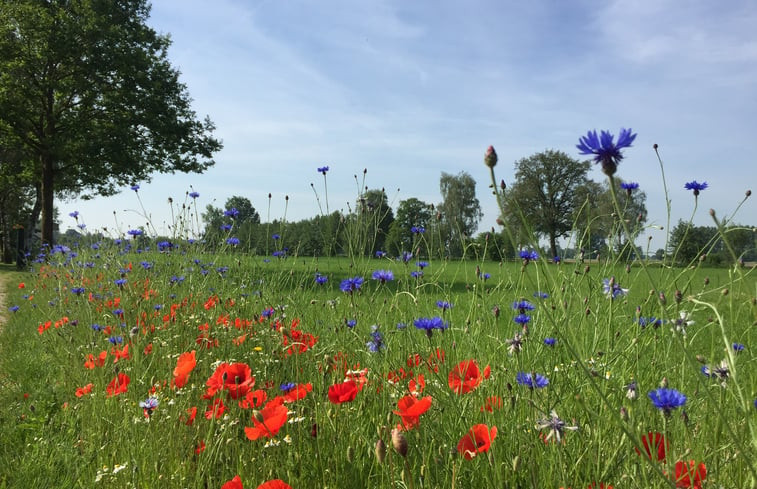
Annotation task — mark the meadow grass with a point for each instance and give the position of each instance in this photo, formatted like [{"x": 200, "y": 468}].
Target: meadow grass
[{"x": 272, "y": 316}]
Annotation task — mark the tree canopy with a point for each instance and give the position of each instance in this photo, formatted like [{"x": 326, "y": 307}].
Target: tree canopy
[
  {"x": 88, "y": 95},
  {"x": 460, "y": 210},
  {"x": 544, "y": 193}
]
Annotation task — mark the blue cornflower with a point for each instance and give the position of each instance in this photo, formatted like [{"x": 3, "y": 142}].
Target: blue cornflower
[
  {"x": 222, "y": 270},
  {"x": 653, "y": 321},
  {"x": 401, "y": 326},
  {"x": 667, "y": 399},
  {"x": 351, "y": 323},
  {"x": 135, "y": 187},
  {"x": 279, "y": 254},
  {"x": 96, "y": 327},
  {"x": 164, "y": 245},
  {"x": 120, "y": 282},
  {"x": 406, "y": 256},
  {"x": 376, "y": 344},
  {"x": 118, "y": 312},
  {"x": 349, "y": 285},
  {"x": 232, "y": 241},
  {"x": 629, "y": 187},
  {"x": 194, "y": 195},
  {"x": 430, "y": 324},
  {"x": 541, "y": 295},
  {"x": 605, "y": 151},
  {"x": 532, "y": 381},
  {"x": 612, "y": 289},
  {"x": 14, "y": 308},
  {"x": 321, "y": 279},
  {"x": 443, "y": 305},
  {"x": 268, "y": 312},
  {"x": 695, "y": 186},
  {"x": 421, "y": 264},
  {"x": 323, "y": 169},
  {"x": 380, "y": 254},
  {"x": 74, "y": 214},
  {"x": 523, "y": 306},
  {"x": 225, "y": 227},
  {"x": 528, "y": 255},
  {"x": 232, "y": 213},
  {"x": 556, "y": 260},
  {"x": 135, "y": 232},
  {"x": 550, "y": 341},
  {"x": 116, "y": 340},
  {"x": 287, "y": 386},
  {"x": 77, "y": 290},
  {"x": 158, "y": 307},
  {"x": 383, "y": 276},
  {"x": 417, "y": 230},
  {"x": 276, "y": 236},
  {"x": 522, "y": 319},
  {"x": 486, "y": 276},
  {"x": 146, "y": 265},
  {"x": 149, "y": 405},
  {"x": 176, "y": 279},
  {"x": 737, "y": 347},
  {"x": 416, "y": 274}
]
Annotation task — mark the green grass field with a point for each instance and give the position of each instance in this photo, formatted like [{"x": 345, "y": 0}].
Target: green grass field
[{"x": 273, "y": 317}]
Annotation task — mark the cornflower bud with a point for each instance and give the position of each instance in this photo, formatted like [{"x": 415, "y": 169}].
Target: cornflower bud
[{"x": 490, "y": 157}]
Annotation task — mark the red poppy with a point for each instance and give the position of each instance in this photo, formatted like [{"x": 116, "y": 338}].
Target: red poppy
[
  {"x": 184, "y": 365},
  {"x": 118, "y": 354},
  {"x": 601, "y": 485},
  {"x": 298, "y": 392},
  {"x": 118, "y": 385},
  {"x": 274, "y": 484},
  {"x": 253, "y": 399},
  {"x": 654, "y": 442},
  {"x": 410, "y": 409},
  {"x": 492, "y": 403},
  {"x": 344, "y": 392},
  {"x": 235, "y": 483},
  {"x": 464, "y": 377},
  {"x": 236, "y": 378},
  {"x": 80, "y": 391},
  {"x": 93, "y": 362},
  {"x": 267, "y": 422},
  {"x": 477, "y": 440},
  {"x": 416, "y": 384},
  {"x": 200, "y": 447},
  {"x": 215, "y": 410},
  {"x": 690, "y": 474},
  {"x": 192, "y": 414}
]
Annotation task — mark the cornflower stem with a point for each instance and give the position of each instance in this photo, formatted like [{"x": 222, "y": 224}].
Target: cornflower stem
[
  {"x": 667, "y": 200},
  {"x": 326, "y": 194}
]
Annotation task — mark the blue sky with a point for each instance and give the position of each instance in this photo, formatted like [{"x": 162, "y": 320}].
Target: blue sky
[{"x": 410, "y": 89}]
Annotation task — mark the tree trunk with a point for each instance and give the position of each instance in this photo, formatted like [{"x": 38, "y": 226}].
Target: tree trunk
[
  {"x": 553, "y": 245},
  {"x": 47, "y": 194},
  {"x": 33, "y": 219}
]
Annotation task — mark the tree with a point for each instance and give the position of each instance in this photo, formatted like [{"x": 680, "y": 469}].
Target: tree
[
  {"x": 375, "y": 217},
  {"x": 544, "y": 192},
  {"x": 410, "y": 213},
  {"x": 596, "y": 218},
  {"x": 460, "y": 210},
  {"x": 87, "y": 90}
]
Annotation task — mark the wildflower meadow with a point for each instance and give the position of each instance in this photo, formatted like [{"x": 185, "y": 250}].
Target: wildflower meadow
[{"x": 142, "y": 361}]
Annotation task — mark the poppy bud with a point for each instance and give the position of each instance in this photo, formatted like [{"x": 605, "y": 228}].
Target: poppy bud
[
  {"x": 399, "y": 442},
  {"x": 314, "y": 430},
  {"x": 623, "y": 413},
  {"x": 725, "y": 292},
  {"x": 655, "y": 146},
  {"x": 664, "y": 383},
  {"x": 502, "y": 185},
  {"x": 707, "y": 280},
  {"x": 701, "y": 359},
  {"x": 663, "y": 300},
  {"x": 678, "y": 296},
  {"x": 748, "y": 193},
  {"x": 490, "y": 157},
  {"x": 380, "y": 451},
  {"x": 258, "y": 416}
]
